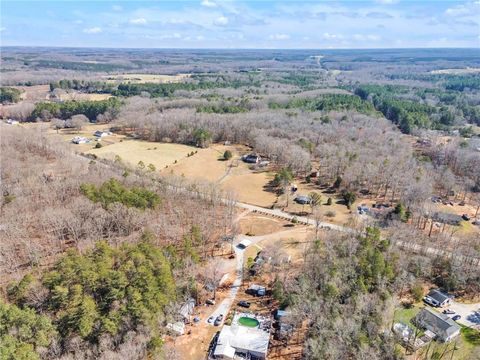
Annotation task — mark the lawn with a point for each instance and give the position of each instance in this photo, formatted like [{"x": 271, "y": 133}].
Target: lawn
[{"x": 404, "y": 315}]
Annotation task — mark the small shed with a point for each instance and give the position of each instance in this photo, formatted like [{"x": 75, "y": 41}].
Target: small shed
[
  {"x": 279, "y": 314},
  {"x": 186, "y": 310}
]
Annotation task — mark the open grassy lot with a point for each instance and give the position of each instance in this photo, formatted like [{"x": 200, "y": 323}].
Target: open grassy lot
[
  {"x": 233, "y": 175},
  {"x": 467, "y": 70},
  {"x": 34, "y": 93},
  {"x": 133, "y": 151},
  {"x": 257, "y": 224},
  {"x": 250, "y": 186},
  {"x": 146, "y": 78},
  {"x": 206, "y": 164},
  {"x": 74, "y": 95}
]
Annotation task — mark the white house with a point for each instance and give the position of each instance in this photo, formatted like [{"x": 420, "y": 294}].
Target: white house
[
  {"x": 437, "y": 298},
  {"x": 101, "y": 133},
  {"x": 80, "y": 140}
]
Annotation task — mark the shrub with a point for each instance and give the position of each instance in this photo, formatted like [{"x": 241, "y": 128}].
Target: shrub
[
  {"x": 329, "y": 201},
  {"x": 349, "y": 197},
  {"x": 98, "y": 145},
  {"x": 417, "y": 292},
  {"x": 227, "y": 155},
  {"x": 330, "y": 214}
]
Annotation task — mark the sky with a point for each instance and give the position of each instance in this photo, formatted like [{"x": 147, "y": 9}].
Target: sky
[{"x": 333, "y": 24}]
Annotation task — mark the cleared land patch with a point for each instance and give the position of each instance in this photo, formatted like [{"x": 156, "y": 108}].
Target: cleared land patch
[
  {"x": 205, "y": 165},
  {"x": 146, "y": 78},
  {"x": 82, "y": 96},
  {"x": 134, "y": 151}
]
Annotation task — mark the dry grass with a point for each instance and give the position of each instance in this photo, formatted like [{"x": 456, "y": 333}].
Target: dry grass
[
  {"x": 66, "y": 135},
  {"x": 204, "y": 165},
  {"x": 457, "y": 71},
  {"x": 82, "y": 96},
  {"x": 133, "y": 151},
  {"x": 257, "y": 224},
  {"x": 34, "y": 93},
  {"x": 146, "y": 78},
  {"x": 233, "y": 175},
  {"x": 249, "y": 186}
]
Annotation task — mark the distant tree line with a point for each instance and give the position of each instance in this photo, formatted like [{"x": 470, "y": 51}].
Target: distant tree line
[
  {"x": 405, "y": 113},
  {"x": 77, "y": 65},
  {"x": 327, "y": 102},
  {"x": 83, "y": 86},
  {"x": 448, "y": 81},
  {"x": 153, "y": 89},
  {"x": 64, "y": 110}
]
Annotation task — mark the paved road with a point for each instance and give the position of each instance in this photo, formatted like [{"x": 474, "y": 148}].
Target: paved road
[{"x": 413, "y": 247}]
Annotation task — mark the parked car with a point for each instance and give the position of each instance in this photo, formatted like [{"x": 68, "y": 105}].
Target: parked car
[
  {"x": 210, "y": 302},
  {"x": 448, "y": 312},
  {"x": 218, "y": 320},
  {"x": 465, "y": 217},
  {"x": 210, "y": 319},
  {"x": 196, "y": 319},
  {"x": 244, "y": 304},
  {"x": 302, "y": 200},
  {"x": 456, "y": 317}
]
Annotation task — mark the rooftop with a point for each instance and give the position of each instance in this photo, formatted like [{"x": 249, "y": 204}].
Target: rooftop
[
  {"x": 438, "y": 323},
  {"x": 438, "y": 296},
  {"x": 239, "y": 338}
]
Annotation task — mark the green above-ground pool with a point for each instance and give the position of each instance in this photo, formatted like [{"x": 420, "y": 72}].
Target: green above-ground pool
[{"x": 248, "y": 322}]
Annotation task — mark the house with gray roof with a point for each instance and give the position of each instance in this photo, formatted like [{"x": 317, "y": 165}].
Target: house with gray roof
[
  {"x": 437, "y": 298},
  {"x": 444, "y": 328}
]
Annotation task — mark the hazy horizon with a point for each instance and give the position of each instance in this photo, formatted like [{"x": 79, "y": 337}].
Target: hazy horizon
[{"x": 209, "y": 24}]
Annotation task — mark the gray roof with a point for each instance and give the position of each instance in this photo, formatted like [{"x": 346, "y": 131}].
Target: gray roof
[
  {"x": 440, "y": 324},
  {"x": 187, "y": 308},
  {"x": 438, "y": 296},
  {"x": 447, "y": 218}
]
